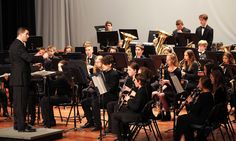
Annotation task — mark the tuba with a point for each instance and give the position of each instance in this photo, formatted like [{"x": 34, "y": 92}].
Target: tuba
[
  {"x": 158, "y": 42},
  {"x": 127, "y": 39}
]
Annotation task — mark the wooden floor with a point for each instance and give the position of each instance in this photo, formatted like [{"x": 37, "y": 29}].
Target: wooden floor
[{"x": 87, "y": 135}]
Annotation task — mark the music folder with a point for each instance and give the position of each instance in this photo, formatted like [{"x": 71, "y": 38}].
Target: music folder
[
  {"x": 178, "y": 87},
  {"x": 99, "y": 83}
]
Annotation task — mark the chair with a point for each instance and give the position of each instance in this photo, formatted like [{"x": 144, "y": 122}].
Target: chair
[
  {"x": 213, "y": 122},
  {"x": 147, "y": 120}
]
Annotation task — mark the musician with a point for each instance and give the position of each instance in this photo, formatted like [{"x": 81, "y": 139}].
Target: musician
[
  {"x": 139, "y": 49},
  {"x": 90, "y": 57},
  {"x": 92, "y": 106},
  {"x": 113, "y": 49},
  {"x": 189, "y": 70},
  {"x": 127, "y": 87},
  {"x": 204, "y": 31},
  {"x": 166, "y": 84},
  {"x": 60, "y": 92},
  {"x": 3, "y": 96},
  {"x": 207, "y": 68},
  {"x": 68, "y": 49},
  {"x": 228, "y": 59},
  {"x": 180, "y": 28},
  {"x": 20, "y": 77},
  {"x": 50, "y": 55},
  {"x": 198, "y": 108},
  {"x": 202, "y": 46},
  {"x": 130, "y": 112},
  {"x": 108, "y": 26}
]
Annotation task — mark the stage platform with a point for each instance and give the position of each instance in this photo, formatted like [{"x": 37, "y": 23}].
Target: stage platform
[{"x": 41, "y": 134}]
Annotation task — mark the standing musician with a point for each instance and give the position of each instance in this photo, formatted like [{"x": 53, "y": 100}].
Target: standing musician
[
  {"x": 20, "y": 78},
  {"x": 130, "y": 112},
  {"x": 128, "y": 85},
  {"x": 189, "y": 71},
  {"x": 204, "y": 31},
  {"x": 92, "y": 106},
  {"x": 198, "y": 108},
  {"x": 168, "y": 91}
]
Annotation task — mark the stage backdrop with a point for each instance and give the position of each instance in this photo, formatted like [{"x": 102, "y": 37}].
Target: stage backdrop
[{"x": 72, "y": 22}]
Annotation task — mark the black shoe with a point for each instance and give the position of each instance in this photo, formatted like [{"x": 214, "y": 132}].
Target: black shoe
[
  {"x": 5, "y": 115},
  {"x": 167, "y": 117},
  {"x": 87, "y": 125},
  {"x": 96, "y": 129},
  {"x": 160, "y": 116},
  {"x": 27, "y": 130}
]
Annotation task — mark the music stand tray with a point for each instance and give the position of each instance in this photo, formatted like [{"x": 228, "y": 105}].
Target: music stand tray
[
  {"x": 184, "y": 38},
  {"x": 100, "y": 28},
  {"x": 110, "y": 38},
  {"x": 152, "y": 34},
  {"x": 130, "y": 31}
]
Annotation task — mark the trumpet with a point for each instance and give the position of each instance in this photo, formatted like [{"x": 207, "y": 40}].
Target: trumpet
[{"x": 194, "y": 95}]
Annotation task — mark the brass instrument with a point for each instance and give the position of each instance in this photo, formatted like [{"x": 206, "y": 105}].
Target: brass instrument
[
  {"x": 127, "y": 39},
  {"x": 194, "y": 95},
  {"x": 190, "y": 45},
  {"x": 162, "y": 77},
  {"x": 225, "y": 48},
  {"x": 158, "y": 42}
]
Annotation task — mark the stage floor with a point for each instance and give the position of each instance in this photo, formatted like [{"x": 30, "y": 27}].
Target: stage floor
[{"x": 88, "y": 135}]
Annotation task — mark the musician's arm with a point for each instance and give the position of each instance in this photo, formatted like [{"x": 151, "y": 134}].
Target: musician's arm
[{"x": 191, "y": 76}]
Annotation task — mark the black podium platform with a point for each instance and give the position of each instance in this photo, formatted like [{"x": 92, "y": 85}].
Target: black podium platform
[{"x": 41, "y": 134}]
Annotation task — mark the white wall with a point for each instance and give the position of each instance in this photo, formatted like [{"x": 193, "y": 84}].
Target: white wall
[{"x": 79, "y": 17}]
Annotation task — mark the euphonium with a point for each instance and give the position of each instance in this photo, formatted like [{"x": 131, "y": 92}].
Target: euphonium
[
  {"x": 127, "y": 39},
  {"x": 158, "y": 42}
]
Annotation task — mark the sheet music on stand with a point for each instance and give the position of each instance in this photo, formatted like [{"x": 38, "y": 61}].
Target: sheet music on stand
[
  {"x": 42, "y": 73},
  {"x": 178, "y": 87},
  {"x": 99, "y": 83}
]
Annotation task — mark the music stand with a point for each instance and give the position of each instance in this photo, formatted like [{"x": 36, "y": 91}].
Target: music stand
[
  {"x": 152, "y": 34},
  {"x": 34, "y": 42},
  {"x": 146, "y": 62},
  {"x": 215, "y": 55},
  {"x": 158, "y": 60},
  {"x": 182, "y": 39},
  {"x": 179, "y": 51},
  {"x": 120, "y": 58},
  {"x": 74, "y": 56},
  {"x": 170, "y": 40},
  {"x": 100, "y": 28},
  {"x": 134, "y": 32},
  {"x": 109, "y": 38}
]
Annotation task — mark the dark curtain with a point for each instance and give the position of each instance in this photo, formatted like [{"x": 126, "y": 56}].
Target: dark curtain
[{"x": 15, "y": 14}]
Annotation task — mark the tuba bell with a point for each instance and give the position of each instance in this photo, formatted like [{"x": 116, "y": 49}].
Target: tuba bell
[
  {"x": 127, "y": 39},
  {"x": 158, "y": 42}
]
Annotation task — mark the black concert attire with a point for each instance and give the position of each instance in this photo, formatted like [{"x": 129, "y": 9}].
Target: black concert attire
[
  {"x": 60, "y": 92},
  {"x": 198, "y": 113},
  {"x": 113, "y": 106},
  {"x": 3, "y": 98},
  {"x": 191, "y": 76},
  {"x": 20, "y": 80},
  {"x": 91, "y": 105},
  {"x": 177, "y": 40},
  {"x": 129, "y": 113},
  {"x": 207, "y": 35},
  {"x": 91, "y": 60},
  {"x": 202, "y": 55},
  {"x": 142, "y": 57}
]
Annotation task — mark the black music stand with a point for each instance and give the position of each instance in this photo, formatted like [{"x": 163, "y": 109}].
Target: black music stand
[
  {"x": 120, "y": 59},
  {"x": 182, "y": 39},
  {"x": 74, "y": 56},
  {"x": 179, "y": 51},
  {"x": 152, "y": 34},
  {"x": 148, "y": 50},
  {"x": 34, "y": 42},
  {"x": 146, "y": 62},
  {"x": 109, "y": 38},
  {"x": 158, "y": 60},
  {"x": 216, "y": 56},
  {"x": 134, "y": 32},
  {"x": 100, "y": 28}
]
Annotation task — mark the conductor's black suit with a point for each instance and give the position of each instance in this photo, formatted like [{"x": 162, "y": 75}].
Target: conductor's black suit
[
  {"x": 20, "y": 80},
  {"x": 207, "y": 35}
]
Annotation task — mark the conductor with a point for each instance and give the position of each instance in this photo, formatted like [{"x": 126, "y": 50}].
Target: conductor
[{"x": 20, "y": 78}]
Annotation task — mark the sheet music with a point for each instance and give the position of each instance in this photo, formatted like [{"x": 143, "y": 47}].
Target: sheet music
[
  {"x": 42, "y": 73},
  {"x": 178, "y": 87},
  {"x": 99, "y": 83}
]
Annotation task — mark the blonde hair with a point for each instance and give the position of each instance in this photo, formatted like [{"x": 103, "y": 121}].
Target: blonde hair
[
  {"x": 87, "y": 44},
  {"x": 203, "y": 42},
  {"x": 174, "y": 59}
]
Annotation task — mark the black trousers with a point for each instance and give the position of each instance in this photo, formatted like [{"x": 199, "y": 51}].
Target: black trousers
[
  {"x": 20, "y": 96},
  {"x": 112, "y": 107}
]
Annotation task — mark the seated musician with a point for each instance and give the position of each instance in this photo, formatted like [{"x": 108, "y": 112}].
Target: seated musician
[
  {"x": 202, "y": 46},
  {"x": 113, "y": 106},
  {"x": 50, "y": 55},
  {"x": 60, "y": 92},
  {"x": 68, "y": 49},
  {"x": 113, "y": 49},
  {"x": 207, "y": 68},
  {"x": 92, "y": 106},
  {"x": 90, "y": 57},
  {"x": 189, "y": 71},
  {"x": 228, "y": 59},
  {"x": 131, "y": 111},
  {"x": 139, "y": 49},
  {"x": 167, "y": 87},
  {"x": 199, "y": 107},
  {"x": 3, "y": 96}
]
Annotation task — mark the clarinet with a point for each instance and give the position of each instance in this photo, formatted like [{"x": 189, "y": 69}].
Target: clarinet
[{"x": 193, "y": 95}]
